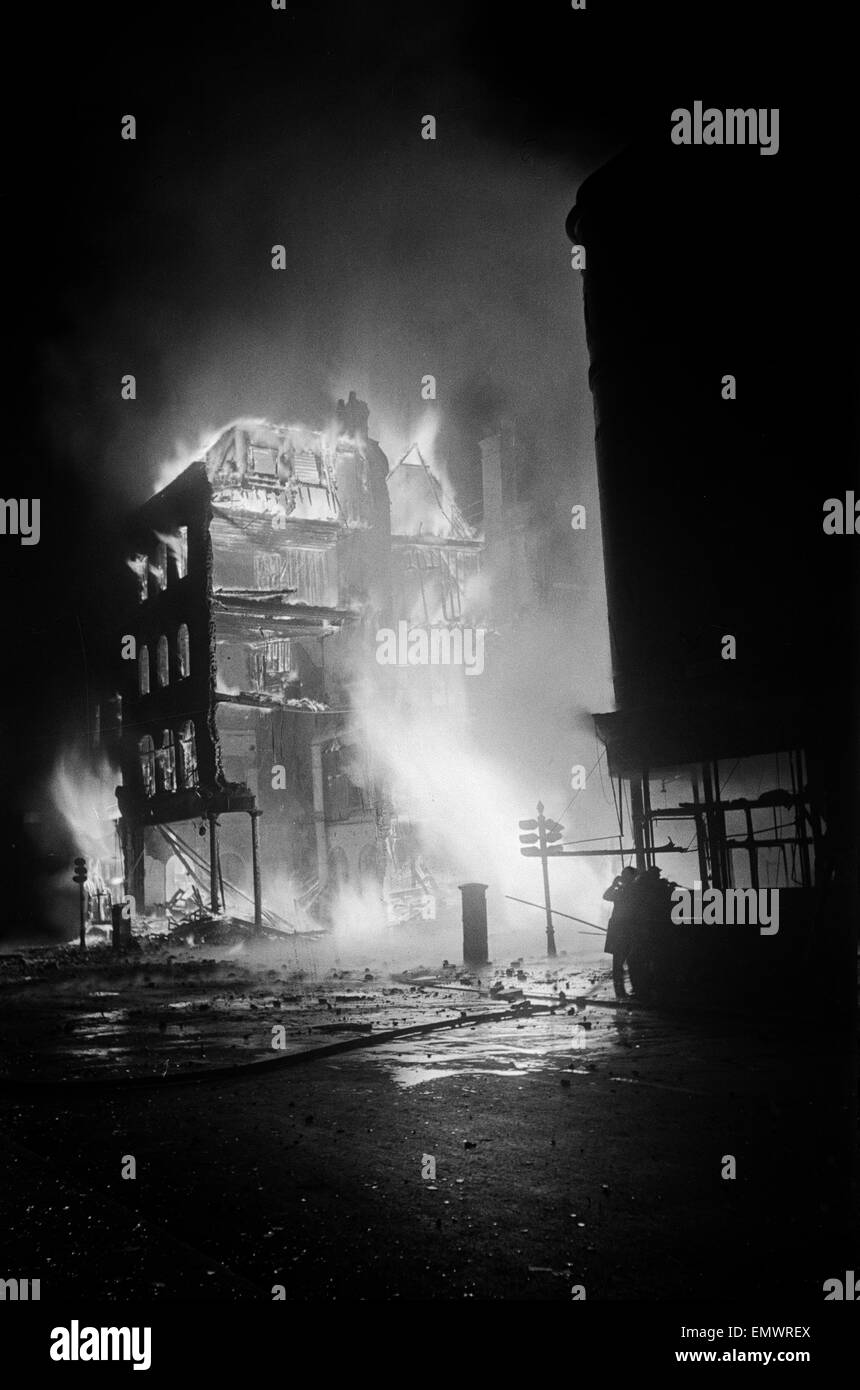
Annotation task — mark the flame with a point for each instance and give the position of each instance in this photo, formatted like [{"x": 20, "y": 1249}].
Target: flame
[
  {"x": 463, "y": 800},
  {"x": 85, "y": 796},
  {"x": 173, "y": 543},
  {"x": 331, "y": 436},
  {"x": 423, "y": 436},
  {"x": 254, "y": 500},
  {"x": 422, "y": 503},
  {"x": 435, "y": 514},
  {"x": 185, "y": 453}
]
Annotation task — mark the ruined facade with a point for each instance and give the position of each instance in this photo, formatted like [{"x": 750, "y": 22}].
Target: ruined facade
[{"x": 258, "y": 582}]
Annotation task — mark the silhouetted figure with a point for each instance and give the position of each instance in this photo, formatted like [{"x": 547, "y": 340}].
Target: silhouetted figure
[
  {"x": 620, "y": 930},
  {"x": 650, "y": 956}
]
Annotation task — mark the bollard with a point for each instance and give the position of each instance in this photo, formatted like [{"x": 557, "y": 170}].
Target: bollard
[
  {"x": 120, "y": 927},
  {"x": 474, "y": 923}
]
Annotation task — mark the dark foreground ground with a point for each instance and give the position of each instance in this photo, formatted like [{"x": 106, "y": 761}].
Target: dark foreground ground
[{"x": 571, "y": 1148}]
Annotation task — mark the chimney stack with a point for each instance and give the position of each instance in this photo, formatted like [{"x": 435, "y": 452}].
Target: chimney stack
[{"x": 352, "y": 418}]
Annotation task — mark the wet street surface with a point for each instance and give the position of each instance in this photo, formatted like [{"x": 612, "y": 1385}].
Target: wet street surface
[
  {"x": 514, "y": 1157},
  {"x": 168, "y": 1016}
]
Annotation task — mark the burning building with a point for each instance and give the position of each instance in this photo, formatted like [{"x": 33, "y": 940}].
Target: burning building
[{"x": 259, "y": 579}]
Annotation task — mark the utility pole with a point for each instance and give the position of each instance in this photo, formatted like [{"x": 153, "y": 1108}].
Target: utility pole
[
  {"x": 550, "y": 933},
  {"x": 544, "y": 844}
]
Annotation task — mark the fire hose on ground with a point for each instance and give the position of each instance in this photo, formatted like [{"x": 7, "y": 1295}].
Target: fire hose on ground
[{"x": 244, "y": 1070}]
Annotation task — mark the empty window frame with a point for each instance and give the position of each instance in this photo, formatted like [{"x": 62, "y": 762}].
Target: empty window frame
[
  {"x": 257, "y": 668},
  {"x": 338, "y": 868},
  {"x": 158, "y": 567},
  {"x": 165, "y": 763},
  {"x": 264, "y": 461},
  {"x": 307, "y": 572},
  {"x": 146, "y": 753},
  {"x": 278, "y": 658},
  {"x": 183, "y": 651},
  {"x": 143, "y": 670},
  {"x": 188, "y": 755},
  {"x": 180, "y": 554},
  {"x": 162, "y": 662},
  {"x": 269, "y": 662},
  {"x": 140, "y": 565},
  {"x": 306, "y": 467},
  {"x": 270, "y": 569}
]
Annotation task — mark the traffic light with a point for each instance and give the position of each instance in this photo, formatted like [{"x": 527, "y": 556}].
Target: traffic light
[
  {"x": 529, "y": 839},
  {"x": 81, "y": 874}
]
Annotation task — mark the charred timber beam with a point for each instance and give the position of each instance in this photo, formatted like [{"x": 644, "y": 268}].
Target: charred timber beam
[
  {"x": 242, "y": 620},
  {"x": 400, "y": 542},
  {"x": 637, "y": 818},
  {"x": 647, "y": 831},
  {"x": 687, "y": 810},
  {"x": 255, "y": 864},
  {"x": 319, "y": 812},
  {"x": 796, "y": 764},
  {"x": 214, "y": 896},
  {"x": 701, "y": 846},
  {"x": 258, "y": 594},
  {"x": 769, "y": 844},
  {"x": 751, "y": 848},
  {"x": 139, "y": 812},
  {"x": 255, "y": 700},
  {"x": 741, "y": 803},
  {"x": 716, "y": 829}
]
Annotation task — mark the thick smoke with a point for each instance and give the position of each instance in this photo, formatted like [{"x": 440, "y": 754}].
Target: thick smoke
[
  {"x": 458, "y": 267},
  {"x": 405, "y": 258}
]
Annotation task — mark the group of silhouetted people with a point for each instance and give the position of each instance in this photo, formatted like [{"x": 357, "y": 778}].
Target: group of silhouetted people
[{"x": 639, "y": 932}]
